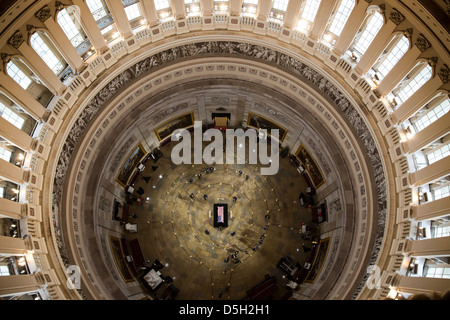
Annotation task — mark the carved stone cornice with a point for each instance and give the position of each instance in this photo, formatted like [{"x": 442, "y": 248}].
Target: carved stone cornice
[
  {"x": 43, "y": 14},
  {"x": 396, "y": 17},
  {"x": 16, "y": 39},
  {"x": 422, "y": 43}
]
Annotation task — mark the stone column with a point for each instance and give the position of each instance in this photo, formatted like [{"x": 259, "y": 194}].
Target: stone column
[
  {"x": 150, "y": 13},
  {"x": 16, "y": 136},
  {"x": 120, "y": 18},
  {"x": 430, "y": 173},
  {"x": 18, "y": 285},
  {"x": 321, "y": 20},
  {"x": 376, "y": 48},
  {"x": 19, "y": 95},
  {"x": 420, "y": 285},
  {"x": 12, "y": 209},
  {"x": 398, "y": 72},
  {"x": 37, "y": 65},
  {"x": 415, "y": 102},
  {"x": 431, "y": 210},
  {"x": 352, "y": 26},
  {"x": 91, "y": 27},
  {"x": 11, "y": 172},
  {"x": 420, "y": 140}
]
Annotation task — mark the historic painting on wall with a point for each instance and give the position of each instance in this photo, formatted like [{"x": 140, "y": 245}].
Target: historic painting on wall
[
  {"x": 310, "y": 166},
  {"x": 181, "y": 122},
  {"x": 259, "y": 122},
  {"x": 116, "y": 249},
  {"x": 317, "y": 265},
  {"x": 128, "y": 166}
]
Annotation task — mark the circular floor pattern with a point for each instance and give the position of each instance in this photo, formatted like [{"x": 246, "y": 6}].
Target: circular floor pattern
[{"x": 178, "y": 230}]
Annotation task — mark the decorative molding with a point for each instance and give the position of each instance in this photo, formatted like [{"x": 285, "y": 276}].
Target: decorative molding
[{"x": 443, "y": 73}]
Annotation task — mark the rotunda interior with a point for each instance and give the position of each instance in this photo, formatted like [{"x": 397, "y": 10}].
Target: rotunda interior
[{"x": 327, "y": 123}]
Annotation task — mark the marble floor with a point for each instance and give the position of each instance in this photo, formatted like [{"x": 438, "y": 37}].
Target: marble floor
[{"x": 175, "y": 225}]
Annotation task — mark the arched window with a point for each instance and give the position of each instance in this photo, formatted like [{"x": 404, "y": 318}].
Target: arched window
[
  {"x": 103, "y": 18},
  {"x": 15, "y": 71},
  {"x": 395, "y": 50},
  {"x": 278, "y": 9},
  {"x": 73, "y": 30},
  {"x": 11, "y": 116},
  {"x": 249, "y": 7},
  {"x": 41, "y": 44},
  {"x": 412, "y": 82},
  {"x": 163, "y": 8},
  {"x": 367, "y": 33},
  {"x": 340, "y": 17},
  {"x": 308, "y": 14}
]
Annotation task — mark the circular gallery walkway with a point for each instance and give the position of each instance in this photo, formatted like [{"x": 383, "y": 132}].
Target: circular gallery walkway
[{"x": 175, "y": 225}]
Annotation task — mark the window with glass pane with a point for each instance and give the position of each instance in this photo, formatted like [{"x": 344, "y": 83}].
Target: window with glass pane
[
  {"x": 133, "y": 12},
  {"x": 341, "y": 16},
  {"x": 10, "y": 116},
  {"x": 415, "y": 83},
  {"x": 18, "y": 75},
  {"x": 373, "y": 25},
  {"x": 310, "y": 10},
  {"x": 391, "y": 59},
  {"x": 4, "y": 271},
  {"x": 161, "y": 4},
  {"x": 2, "y": 192},
  {"x": 280, "y": 4},
  {"x": 255, "y": 2},
  {"x": 43, "y": 50},
  {"x": 69, "y": 27},
  {"x": 439, "y": 193},
  {"x": 432, "y": 115},
  {"x": 438, "y": 154},
  {"x": 5, "y": 154}
]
